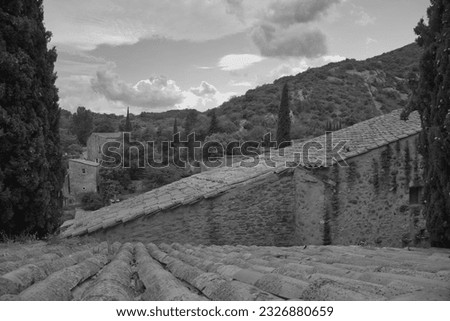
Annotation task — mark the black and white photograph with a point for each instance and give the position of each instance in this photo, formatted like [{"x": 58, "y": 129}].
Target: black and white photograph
[{"x": 295, "y": 151}]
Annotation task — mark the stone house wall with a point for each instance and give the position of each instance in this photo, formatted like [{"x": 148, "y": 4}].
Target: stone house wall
[
  {"x": 367, "y": 202},
  {"x": 82, "y": 178},
  {"x": 95, "y": 143},
  {"x": 256, "y": 213}
]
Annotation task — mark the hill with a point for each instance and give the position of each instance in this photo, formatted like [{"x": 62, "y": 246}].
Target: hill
[
  {"x": 349, "y": 91},
  {"x": 345, "y": 92}
]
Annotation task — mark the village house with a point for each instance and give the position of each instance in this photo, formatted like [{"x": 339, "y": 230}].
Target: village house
[
  {"x": 96, "y": 141},
  {"x": 371, "y": 195},
  {"x": 81, "y": 178}
]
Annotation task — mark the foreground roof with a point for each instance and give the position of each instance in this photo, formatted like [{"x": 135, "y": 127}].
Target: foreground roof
[
  {"x": 359, "y": 138},
  {"x": 183, "y": 272}
]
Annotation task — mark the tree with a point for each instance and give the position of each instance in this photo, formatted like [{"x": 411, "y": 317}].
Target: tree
[
  {"x": 431, "y": 99},
  {"x": 213, "y": 125},
  {"x": 82, "y": 124},
  {"x": 128, "y": 127},
  {"x": 189, "y": 125},
  {"x": 284, "y": 120},
  {"x": 104, "y": 125},
  {"x": 31, "y": 168}
]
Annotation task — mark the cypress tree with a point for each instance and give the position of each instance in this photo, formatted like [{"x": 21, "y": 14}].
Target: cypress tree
[
  {"x": 82, "y": 124},
  {"x": 431, "y": 98},
  {"x": 128, "y": 127},
  {"x": 284, "y": 120},
  {"x": 214, "y": 124},
  {"x": 31, "y": 171},
  {"x": 191, "y": 119}
]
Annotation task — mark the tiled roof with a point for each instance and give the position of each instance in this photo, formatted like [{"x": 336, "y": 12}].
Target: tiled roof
[
  {"x": 360, "y": 138},
  {"x": 84, "y": 161},
  {"x": 114, "y": 135},
  {"x": 128, "y": 272}
]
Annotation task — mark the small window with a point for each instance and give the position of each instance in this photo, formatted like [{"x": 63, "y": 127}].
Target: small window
[
  {"x": 415, "y": 195},
  {"x": 83, "y": 171}
]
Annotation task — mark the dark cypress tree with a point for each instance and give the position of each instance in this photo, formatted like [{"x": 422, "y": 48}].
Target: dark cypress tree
[
  {"x": 128, "y": 127},
  {"x": 176, "y": 138},
  {"x": 284, "y": 120},
  {"x": 31, "y": 170},
  {"x": 431, "y": 98},
  {"x": 214, "y": 124},
  {"x": 82, "y": 124},
  {"x": 189, "y": 125}
]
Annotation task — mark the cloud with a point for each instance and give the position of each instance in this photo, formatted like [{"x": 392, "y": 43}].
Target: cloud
[
  {"x": 289, "y": 12},
  {"x": 238, "y": 62},
  {"x": 154, "y": 92},
  {"x": 285, "y": 28},
  {"x": 204, "y": 89},
  {"x": 294, "y": 41},
  {"x": 240, "y": 84},
  {"x": 294, "y": 66},
  {"x": 370, "y": 41},
  {"x": 204, "y": 97},
  {"x": 235, "y": 7},
  {"x": 86, "y": 24},
  {"x": 362, "y": 17}
]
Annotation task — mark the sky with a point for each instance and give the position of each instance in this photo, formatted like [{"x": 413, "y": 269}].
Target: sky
[{"x": 157, "y": 55}]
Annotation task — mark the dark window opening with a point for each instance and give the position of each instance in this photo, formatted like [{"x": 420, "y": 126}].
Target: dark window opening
[
  {"x": 83, "y": 171},
  {"x": 415, "y": 195}
]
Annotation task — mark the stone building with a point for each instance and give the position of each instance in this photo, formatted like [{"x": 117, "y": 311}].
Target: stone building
[
  {"x": 82, "y": 177},
  {"x": 370, "y": 195},
  {"x": 95, "y": 142}
]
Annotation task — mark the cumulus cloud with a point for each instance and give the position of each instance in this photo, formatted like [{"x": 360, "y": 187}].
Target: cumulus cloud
[
  {"x": 294, "y": 41},
  {"x": 238, "y": 62},
  {"x": 293, "y": 66},
  {"x": 289, "y": 12},
  {"x": 204, "y": 89},
  {"x": 154, "y": 92},
  {"x": 285, "y": 28},
  {"x": 204, "y": 97}
]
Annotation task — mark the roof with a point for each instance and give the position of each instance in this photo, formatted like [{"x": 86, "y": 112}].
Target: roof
[
  {"x": 127, "y": 272},
  {"x": 114, "y": 135},
  {"x": 84, "y": 162},
  {"x": 360, "y": 138}
]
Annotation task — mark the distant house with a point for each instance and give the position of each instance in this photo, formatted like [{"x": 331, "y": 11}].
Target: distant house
[
  {"x": 95, "y": 143},
  {"x": 82, "y": 177},
  {"x": 372, "y": 196}
]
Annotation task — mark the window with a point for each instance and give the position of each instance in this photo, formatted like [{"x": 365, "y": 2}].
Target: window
[
  {"x": 83, "y": 170},
  {"x": 415, "y": 195}
]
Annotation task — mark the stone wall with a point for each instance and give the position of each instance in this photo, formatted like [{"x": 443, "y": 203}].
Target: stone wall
[
  {"x": 256, "y": 213},
  {"x": 82, "y": 178},
  {"x": 367, "y": 202},
  {"x": 309, "y": 206}
]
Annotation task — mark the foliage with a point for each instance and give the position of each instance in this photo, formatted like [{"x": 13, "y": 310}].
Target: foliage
[
  {"x": 213, "y": 125},
  {"x": 91, "y": 202},
  {"x": 82, "y": 124},
  {"x": 31, "y": 170},
  {"x": 431, "y": 99},
  {"x": 284, "y": 119}
]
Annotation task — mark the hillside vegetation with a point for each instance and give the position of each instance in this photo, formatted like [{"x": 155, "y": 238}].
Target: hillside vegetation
[
  {"x": 345, "y": 92},
  {"x": 349, "y": 91}
]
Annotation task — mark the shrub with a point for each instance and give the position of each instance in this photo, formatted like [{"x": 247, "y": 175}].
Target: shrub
[{"x": 91, "y": 202}]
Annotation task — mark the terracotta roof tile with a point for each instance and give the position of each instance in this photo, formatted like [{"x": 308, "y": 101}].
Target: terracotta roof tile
[
  {"x": 184, "y": 272},
  {"x": 361, "y": 137}
]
